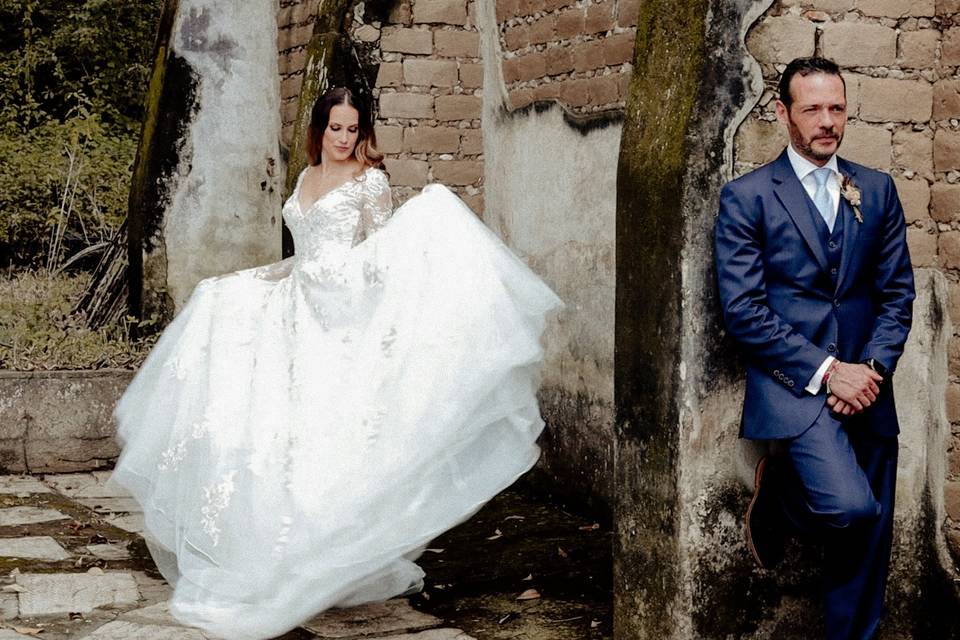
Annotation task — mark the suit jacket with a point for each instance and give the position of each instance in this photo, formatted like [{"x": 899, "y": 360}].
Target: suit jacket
[{"x": 788, "y": 314}]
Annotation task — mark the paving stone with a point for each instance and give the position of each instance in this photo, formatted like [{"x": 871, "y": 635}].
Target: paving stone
[
  {"x": 86, "y": 485},
  {"x": 111, "y": 504},
  {"x": 22, "y": 484},
  {"x": 376, "y": 619},
  {"x": 432, "y": 634},
  {"x": 152, "y": 590},
  {"x": 109, "y": 551},
  {"x": 125, "y": 630},
  {"x": 53, "y": 593},
  {"x": 9, "y": 605},
  {"x": 34, "y": 547},
  {"x": 15, "y": 516},
  {"x": 132, "y": 522},
  {"x": 156, "y": 614}
]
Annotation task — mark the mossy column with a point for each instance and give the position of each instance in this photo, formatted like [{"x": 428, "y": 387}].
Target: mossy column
[
  {"x": 692, "y": 75},
  {"x": 205, "y": 198}
]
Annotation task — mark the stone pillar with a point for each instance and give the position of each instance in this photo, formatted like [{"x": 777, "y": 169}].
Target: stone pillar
[
  {"x": 205, "y": 198},
  {"x": 682, "y": 476}
]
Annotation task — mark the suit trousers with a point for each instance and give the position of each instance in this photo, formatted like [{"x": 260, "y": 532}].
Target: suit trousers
[{"x": 839, "y": 489}]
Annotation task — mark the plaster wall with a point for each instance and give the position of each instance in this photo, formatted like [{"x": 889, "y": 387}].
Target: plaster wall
[
  {"x": 550, "y": 194},
  {"x": 224, "y": 199}
]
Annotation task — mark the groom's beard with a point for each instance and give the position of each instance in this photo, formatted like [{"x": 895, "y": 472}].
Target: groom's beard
[{"x": 805, "y": 145}]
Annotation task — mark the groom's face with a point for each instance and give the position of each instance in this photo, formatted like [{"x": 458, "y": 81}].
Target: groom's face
[{"x": 817, "y": 115}]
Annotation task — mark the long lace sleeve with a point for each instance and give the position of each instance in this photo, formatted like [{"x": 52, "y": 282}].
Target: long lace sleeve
[{"x": 377, "y": 205}]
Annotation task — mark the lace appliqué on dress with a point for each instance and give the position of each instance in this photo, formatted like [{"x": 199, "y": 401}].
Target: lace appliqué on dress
[{"x": 216, "y": 498}]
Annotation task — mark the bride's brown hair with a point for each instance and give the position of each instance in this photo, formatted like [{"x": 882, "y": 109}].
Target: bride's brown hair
[{"x": 365, "y": 151}]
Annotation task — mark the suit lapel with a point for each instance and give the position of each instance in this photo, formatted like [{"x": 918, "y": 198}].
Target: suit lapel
[
  {"x": 851, "y": 227},
  {"x": 794, "y": 199}
]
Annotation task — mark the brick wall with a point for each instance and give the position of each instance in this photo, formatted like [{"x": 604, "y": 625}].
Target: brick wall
[
  {"x": 576, "y": 51},
  {"x": 901, "y": 62},
  {"x": 427, "y": 90}
]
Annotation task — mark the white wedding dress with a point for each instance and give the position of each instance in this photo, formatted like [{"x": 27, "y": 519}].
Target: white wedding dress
[{"x": 302, "y": 430}]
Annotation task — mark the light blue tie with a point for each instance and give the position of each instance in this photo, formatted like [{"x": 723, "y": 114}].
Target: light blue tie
[{"x": 822, "y": 198}]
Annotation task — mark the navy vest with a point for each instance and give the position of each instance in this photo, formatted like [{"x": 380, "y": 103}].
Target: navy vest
[{"x": 832, "y": 242}]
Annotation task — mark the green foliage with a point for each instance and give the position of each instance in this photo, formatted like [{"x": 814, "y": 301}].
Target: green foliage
[
  {"x": 39, "y": 332},
  {"x": 73, "y": 74}
]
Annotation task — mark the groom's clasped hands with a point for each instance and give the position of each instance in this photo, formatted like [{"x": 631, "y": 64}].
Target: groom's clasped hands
[{"x": 852, "y": 387}]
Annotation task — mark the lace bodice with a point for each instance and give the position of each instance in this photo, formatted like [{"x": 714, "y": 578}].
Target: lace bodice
[{"x": 340, "y": 218}]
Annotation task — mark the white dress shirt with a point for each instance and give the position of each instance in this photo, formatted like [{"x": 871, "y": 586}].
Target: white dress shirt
[{"x": 804, "y": 170}]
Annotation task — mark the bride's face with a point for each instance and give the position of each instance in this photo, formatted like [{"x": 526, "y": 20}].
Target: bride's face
[{"x": 340, "y": 137}]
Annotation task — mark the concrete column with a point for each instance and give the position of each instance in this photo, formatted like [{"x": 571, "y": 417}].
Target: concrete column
[
  {"x": 682, "y": 477},
  {"x": 205, "y": 198}
]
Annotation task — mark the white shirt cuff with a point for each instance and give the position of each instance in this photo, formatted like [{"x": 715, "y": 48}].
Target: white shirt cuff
[{"x": 813, "y": 387}]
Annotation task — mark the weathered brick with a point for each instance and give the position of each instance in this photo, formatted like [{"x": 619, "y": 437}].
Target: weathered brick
[
  {"x": 854, "y": 44},
  {"x": 458, "y": 172},
  {"x": 549, "y": 91},
  {"x": 946, "y": 99},
  {"x": 623, "y": 83},
  {"x": 913, "y": 150},
  {"x": 440, "y": 11},
  {"x": 367, "y": 33},
  {"x": 946, "y": 150},
  {"x": 618, "y": 49},
  {"x": 570, "y": 23},
  {"x": 457, "y": 44},
  {"x": 918, "y": 49},
  {"x": 832, "y": 6},
  {"x": 401, "y": 13},
  {"x": 628, "y": 12},
  {"x": 852, "y": 83},
  {"x": 603, "y": 90},
  {"x": 758, "y": 141},
  {"x": 897, "y": 8},
  {"x": 285, "y": 17},
  {"x": 588, "y": 55},
  {"x": 575, "y": 93},
  {"x": 781, "y": 39},
  {"x": 406, "y": 105},
  {"x": 559, "y": 60},
  {"x": 947, "y": 7},
  {"x": 890, "y": 100},
  {"x": 950, "y": 51},
  {"x": 389, "y": 139},
  {"x": 531, "y": 66},
  {"x": 543, "y": 30},
  {"x": 293, "y": 61},
  {"x": 923, "y": 247},
  {"x": 290, "y": 86},
  {"x": 407, "y": 173},
  {"x": 430, "y": 73},
  {"x": 403, "y": 40},
  {"x": 507, "y": 9},
  {"x": 288, "y": 112},
  {"x": 946, "y": 202},
  {"x": 530, "y": 7},
  {"x": 868, "y": 145},
  {"x": 431, "y": 139},
  {"x": 390, "y": 74},
  {"x": 517, "y": 37},
  {"x": 458, "y": 107},
  {"x": 475, "y": 202},
  {"x": 294, "y": 36},
  {"x": 915, "y": 198},
  {"x": 553, "y": 5},
  {"x": 510, "y": 70},
  {"x": 951, "y": 499},
  {"x": 471, "y": 75},
  {"x": 519, "y": 98},
  {"x": 953, "y": 358},
  {"x": 599, "y": 18},
  {"x": 953, "y": 415},
  {"x": 286, "y": 133},
  {"x": 471, "y": 142},
  {"x": 953, "y": 304},
  {"x": 949, "y": 251}
]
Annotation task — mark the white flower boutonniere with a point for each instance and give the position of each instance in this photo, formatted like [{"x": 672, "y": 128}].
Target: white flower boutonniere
[{"x": 851, "y": 193}]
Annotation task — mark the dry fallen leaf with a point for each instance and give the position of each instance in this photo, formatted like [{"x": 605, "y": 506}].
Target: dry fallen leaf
[
  {"x": 529, "y": 594},
  {"x": 435, "y": 550},
  {"x": 508, "y": 617},
  {"x": 496, "y": 534},
  {"x": 514, "y": 518},
  {"x": 28, "y": 631},
  {"x": 528, "y": 578},
  {"x": 561, "y": 552},
  {"x": 594, "y": 624},
  {"x": 590, "y": 527}
]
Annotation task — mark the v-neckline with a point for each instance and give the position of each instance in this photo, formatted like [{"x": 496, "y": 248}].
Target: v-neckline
[{"x": 325, "y": 193}]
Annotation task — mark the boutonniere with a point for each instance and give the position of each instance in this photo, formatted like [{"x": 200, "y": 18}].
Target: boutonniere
[{"x": 851, "y": 193}]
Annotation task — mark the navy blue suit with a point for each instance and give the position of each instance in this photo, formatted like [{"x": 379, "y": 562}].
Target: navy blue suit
[{"x": 792, "y": 294}]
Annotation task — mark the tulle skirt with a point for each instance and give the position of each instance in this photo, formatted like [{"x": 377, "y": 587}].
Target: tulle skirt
[{"x": 301, "y": 431}]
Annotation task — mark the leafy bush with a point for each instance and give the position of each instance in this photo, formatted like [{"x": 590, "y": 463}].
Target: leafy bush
[{"x": 39, "y": 332}]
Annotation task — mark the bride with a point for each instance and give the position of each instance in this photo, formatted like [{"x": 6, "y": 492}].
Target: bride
[{"x": 303, "y": 429}]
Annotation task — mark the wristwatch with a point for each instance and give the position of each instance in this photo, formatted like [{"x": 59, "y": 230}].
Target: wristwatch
[{"x": 876, "y": 365}]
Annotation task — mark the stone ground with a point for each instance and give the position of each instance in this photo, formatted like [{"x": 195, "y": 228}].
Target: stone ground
[{"x": 73, "y": 565}]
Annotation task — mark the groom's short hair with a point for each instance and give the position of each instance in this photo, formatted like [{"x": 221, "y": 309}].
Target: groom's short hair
[{"x": 804, "y": 67}]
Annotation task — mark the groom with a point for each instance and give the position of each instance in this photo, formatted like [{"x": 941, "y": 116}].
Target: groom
[{"x": 817, "y": 290}]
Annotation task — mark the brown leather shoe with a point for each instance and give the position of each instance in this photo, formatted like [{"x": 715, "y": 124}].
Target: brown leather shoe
[{"x": 765, "y": 538}]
